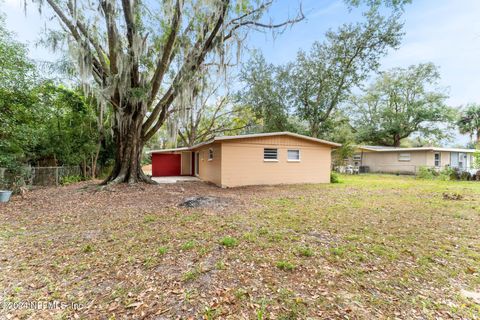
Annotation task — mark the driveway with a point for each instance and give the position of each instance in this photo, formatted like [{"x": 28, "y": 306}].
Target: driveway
[{"x": 175, "y": 179}]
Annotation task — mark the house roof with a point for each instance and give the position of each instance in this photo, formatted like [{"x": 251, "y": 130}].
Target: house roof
[
  {"x": 395, "y": 149},
  {"x": 246, "y": 136}
]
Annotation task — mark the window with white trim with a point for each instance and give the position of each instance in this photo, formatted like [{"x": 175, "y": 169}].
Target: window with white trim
[
  {"x": 210, "y": 154},
  {"x": 437, "y": 159},
  {"x": 404, "y": 157},
  {"x": 357, "y": 157},
  {"x": 293, "y": 155},
  {"x": 270, "y": 154}
]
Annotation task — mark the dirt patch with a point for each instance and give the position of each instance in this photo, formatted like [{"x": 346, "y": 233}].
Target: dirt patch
[{"x": 205, "y": 202}]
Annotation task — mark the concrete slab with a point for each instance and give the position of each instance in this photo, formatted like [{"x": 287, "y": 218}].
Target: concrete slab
[{"x": 175, "y": 179}]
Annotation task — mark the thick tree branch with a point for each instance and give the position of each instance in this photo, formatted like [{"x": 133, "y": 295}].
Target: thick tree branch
[{"x": 167, "y": 56}]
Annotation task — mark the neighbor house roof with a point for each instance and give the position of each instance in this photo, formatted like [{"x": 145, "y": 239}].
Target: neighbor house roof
[
  {"x": 246, "y": 136},
  {"x": 400, "y": 149}
]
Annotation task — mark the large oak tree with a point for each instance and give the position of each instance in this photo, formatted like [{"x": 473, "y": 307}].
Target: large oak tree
[
  {"x": 401, "y": 102},
  {"x": 140, "y": 58}
]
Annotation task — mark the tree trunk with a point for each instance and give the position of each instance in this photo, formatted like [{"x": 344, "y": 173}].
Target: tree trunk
[
  {"x": 396, "y": 140},
  {"x": 127, "y": 134},
  {"x": 95, "y": 159}
]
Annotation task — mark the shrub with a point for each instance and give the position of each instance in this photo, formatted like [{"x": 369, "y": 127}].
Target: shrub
[
  {"x": 66, "y": 180},
  {"x": 447, "y": 174},
  {"x": 334, "y": 177},
  {"x": 465, "y": 176},
  {"x": 476, "y": 159},
  {"x": 427, "y": 173}
]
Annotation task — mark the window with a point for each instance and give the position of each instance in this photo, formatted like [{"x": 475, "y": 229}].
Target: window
[
  {"x": 357, "y": 157},
  {"x": 437, "y": 159},
  {"x": 404, "y": 157},
  {"x": 270, "y": 154},
  {"x": 210, "y": 154},
  {"x": 293, "y": 155}
]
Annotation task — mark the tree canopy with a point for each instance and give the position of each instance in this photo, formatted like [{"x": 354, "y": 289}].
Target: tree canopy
[
  {"x": 469, "y": 122},
  {"x": 401, "y": 102},
  {"x": 323, "y": 78}
]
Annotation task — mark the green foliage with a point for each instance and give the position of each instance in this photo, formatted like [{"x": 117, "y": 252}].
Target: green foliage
[
  {"x": 188, "y": 245},
  {"x": 401, "y": 102},
  {"x": 229, "y": 242},
  {"x": 469, "y": 122},
  {"x": 17, "y": 78},
  {"x": 266, "y": 92},
  {"x": 305, "y": 252},
  {"x": 42, "y": 123},
  {"x": 445, "y": 174},
  {"x": 427, "y": 173},
  {"x": 66, "y": 180},
  {"x": 285, "y": 265},
  {"x": 476, "y": 159},
  {"x": 303, "y": 96},
  {"x": 334, "y": 178},
  {"x": 323, "y": 78},
  {"x": 87, "y": 248},
  {"x": 162, "y": 251}
]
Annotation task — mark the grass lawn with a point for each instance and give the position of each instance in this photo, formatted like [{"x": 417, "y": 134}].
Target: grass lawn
[{"x": 373, "y": 246}]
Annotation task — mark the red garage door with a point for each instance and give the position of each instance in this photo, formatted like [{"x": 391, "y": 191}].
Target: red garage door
[{"x": 166, "y": 164}]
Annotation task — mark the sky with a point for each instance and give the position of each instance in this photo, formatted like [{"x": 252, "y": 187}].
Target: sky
[{"x": 445, "y": 32}]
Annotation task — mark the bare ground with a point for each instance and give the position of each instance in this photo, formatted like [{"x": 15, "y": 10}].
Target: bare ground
[{"x": 370, "y": 247}]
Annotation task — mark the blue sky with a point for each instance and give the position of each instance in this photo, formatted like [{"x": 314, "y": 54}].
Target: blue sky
[{"x": 444, "y": 32}]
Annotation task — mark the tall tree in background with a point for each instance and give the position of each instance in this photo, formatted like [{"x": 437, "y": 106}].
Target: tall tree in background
[
  {"x": 17, "y": 79},
  {"x": 211, "y": 113},
  {"x": 266, "y": 91},
  {"x": 469, "y": 122},
  {"x": 402, "y": 102},
  {"x": 323, "y": 78},
  {"x": 142, "y": 57}
]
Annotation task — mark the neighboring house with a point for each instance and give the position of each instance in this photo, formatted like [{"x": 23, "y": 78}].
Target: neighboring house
[
  {"x": 410, "y": 160},
  {"x": 254, "y": 159}
]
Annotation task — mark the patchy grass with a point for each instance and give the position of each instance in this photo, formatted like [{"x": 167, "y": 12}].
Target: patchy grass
[
  {"x": 228, "y": 242},
  {"x": 373, "y": 246},
  {"x": 285, "y": 265}
]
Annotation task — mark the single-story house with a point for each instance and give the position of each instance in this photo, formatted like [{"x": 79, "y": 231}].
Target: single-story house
[
  {"x": 410, "y": 160},
  {"x": 252, "y": 159}
]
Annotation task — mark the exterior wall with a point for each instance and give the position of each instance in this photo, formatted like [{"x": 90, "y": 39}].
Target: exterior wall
[
  {"x": 444, "y": 159},
  {"x": 388, "y": 161},
  {"x": 186, "y": 163},
  {"x": 210, "y": 170},
  {"x": 243, "y": 163}
]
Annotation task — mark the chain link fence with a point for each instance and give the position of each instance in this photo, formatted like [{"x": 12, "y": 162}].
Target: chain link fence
[{"x": 39, "y": 176}]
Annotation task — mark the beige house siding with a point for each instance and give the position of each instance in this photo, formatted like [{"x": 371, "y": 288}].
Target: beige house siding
[
  {"x": 210, "y": 170},
  {"x": 445, "y": 158},
  {"x": 243, "y": 163},
  {"x": 389, "y": 161}
]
